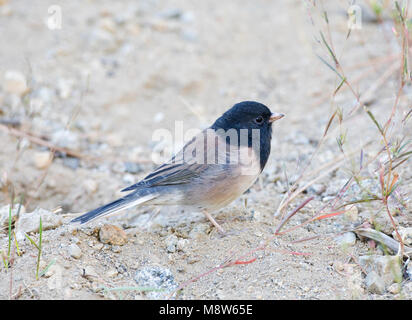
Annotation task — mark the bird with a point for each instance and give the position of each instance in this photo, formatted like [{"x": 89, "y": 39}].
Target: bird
[{"x": 212, "y": 170}]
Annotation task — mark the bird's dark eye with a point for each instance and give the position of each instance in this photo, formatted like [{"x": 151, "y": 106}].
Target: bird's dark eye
[{"x": 259, "y": 120}]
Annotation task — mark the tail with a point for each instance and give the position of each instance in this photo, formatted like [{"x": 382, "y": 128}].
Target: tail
[{"x": 128, "y": 201}]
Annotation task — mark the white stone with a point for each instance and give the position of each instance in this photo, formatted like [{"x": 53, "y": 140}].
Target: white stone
[
  {"x": 75, "y": 251},
  {"x": 15, "y": 82},
  {"x": 30, "y": 222},
  {"x": 41, "y": 159}
]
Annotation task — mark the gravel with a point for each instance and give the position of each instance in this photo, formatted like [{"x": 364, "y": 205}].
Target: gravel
[{"x": 157, "y": 278}]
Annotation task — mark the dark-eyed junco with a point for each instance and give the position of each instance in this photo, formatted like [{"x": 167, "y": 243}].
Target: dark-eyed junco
[{"x": 212, "y": 170}]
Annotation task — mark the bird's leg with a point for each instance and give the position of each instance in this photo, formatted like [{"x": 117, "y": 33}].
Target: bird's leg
[{"x": 213, "y": 221}]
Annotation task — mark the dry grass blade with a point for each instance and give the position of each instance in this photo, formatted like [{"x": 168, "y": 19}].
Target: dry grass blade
[
  {"x": 290, "y": 215},
  {"x": 39, "y": 141},
  {"x": 283, "y": 204},
  {"x": 378, "y": 236}
]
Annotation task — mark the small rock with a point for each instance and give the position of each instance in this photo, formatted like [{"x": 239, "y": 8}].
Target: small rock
[
  {"x": 394, "y": 288},
  {"x": 4, "y": 214},
  {"x": 53, "y": 269},
  {"x": 116, "y": 249},
  {"x": 75, "y": 251},
  {"x": 346, "y": 240},
  {"x": 387, "y": 267},
  {"x": 72, "y": 163},
  {"x": 328, "y": 198},
  {"x": 15, "y": 82},
  {"x": 66, "y": 139},
  {"x": 113, "y": 235},
  {"x": 41, "y": 159},
  {"x": 374, "y": 283},
  {"x": 339, "y": 266},
  {"x": 317, "y": 188},
  {"x": 171, "y": 242},
  {"x": 112, "y": 273},
  {"x": 114, "y": 139},
  {"x": 30, "y": 222},
  {"x": 98, "y": 246},
  {"x": 132, "y": 167},
  {"x": 181, "y": 244},
  {"x": 158, "y": 278}
]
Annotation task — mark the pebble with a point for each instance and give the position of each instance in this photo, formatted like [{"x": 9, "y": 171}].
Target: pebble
[
  {"x": 116, "y": 249},
  {"x": 30, "y": 222},
  {"x": 171, "y": 243},
  {"x": 72, "y": 163},
  {"x": 75, "y": 251},
  {"x": 112, "y": 273},
  {"x": 41, "y": 159},
  {"x": 15, "y": 82},
  {"x": 181, "y": 244},
  {"x": 114, "y": 139},
  {"x": 156, "y": 277},
  {"x": 394, "y": 288},
  {"x": 65, "y": 139},
  {"x": 347, "y": 239},
  {"x": 387, "y": 267},
  {"x": 132, "y": 167},
  {"x": 98, "y": 246},
  {"x": 113, "y": 235},
  {"x": 375, "y": 283},
  {"x": 317, "y": 188},
  {"x": 53, "y": 270}
]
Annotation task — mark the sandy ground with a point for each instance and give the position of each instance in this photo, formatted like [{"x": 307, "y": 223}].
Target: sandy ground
[{"x": 117, "y": 71}]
